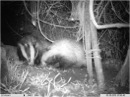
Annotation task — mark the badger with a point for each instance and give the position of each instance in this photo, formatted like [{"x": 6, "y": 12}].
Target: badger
[
  {"x": 30, "y": 49},
  {"x": 64, "y": 53}
]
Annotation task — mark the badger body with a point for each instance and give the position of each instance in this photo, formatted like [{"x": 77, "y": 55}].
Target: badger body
[
  {"x": 67, "y": 52},
  {"x": 31, "y": 49}
]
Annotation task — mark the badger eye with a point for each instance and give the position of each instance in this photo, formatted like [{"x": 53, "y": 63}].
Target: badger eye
[{"x": 26, "y": 45}]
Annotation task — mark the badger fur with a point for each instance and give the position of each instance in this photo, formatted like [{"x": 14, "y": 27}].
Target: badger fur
[{"x": 66, "y": 52}]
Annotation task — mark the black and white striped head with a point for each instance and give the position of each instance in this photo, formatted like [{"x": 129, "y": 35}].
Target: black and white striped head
[
  {"x": 31, "y": 49},
  {"x": 28, "y": 52}
]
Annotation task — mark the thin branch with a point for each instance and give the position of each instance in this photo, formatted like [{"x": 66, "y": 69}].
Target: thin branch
[{"x": 117, "y": 25}]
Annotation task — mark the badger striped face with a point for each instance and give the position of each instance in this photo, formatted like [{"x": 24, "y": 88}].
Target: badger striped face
[
  {"x": 28, "y": 52},
  {"x": 31, "y": 49}
]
